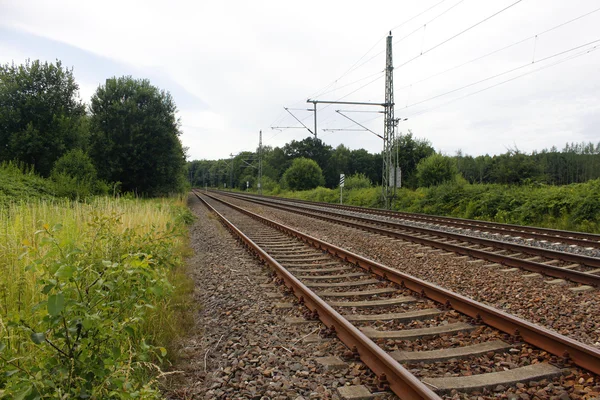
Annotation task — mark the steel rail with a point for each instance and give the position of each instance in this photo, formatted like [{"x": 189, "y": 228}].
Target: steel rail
[
  {"x": 581, "y": 354},
  {"x": 550, "y": 270},
  {"x": 400, "y": 381},
  {"x": 569, "y": 237}
]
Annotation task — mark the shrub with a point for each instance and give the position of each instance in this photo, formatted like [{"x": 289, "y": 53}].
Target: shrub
[
  {"x": 436, "y": 169},
  {"x": 357, "y": 181},
  {"x": 303, "y": 174}
]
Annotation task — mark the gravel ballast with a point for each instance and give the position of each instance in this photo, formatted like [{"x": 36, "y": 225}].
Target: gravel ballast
[
  {"x": 241, "y": 346},
  {"x": 572, "y": 314}
]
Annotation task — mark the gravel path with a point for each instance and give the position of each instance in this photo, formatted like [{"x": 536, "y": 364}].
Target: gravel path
[
  {"x": 576, "y": 315},
  {"x": 241, "y": 347}
]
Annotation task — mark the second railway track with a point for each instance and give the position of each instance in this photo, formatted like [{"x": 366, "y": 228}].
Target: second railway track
[
  {"x": 562, "y": 265},
  {"x": 547, "y": 236},
  {"x": 387, "y": 317}
]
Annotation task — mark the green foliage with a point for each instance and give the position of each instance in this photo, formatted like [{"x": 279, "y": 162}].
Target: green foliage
[
  {"x": 411, "y": 151},
  {"x": 20, "y": 183},
  {"x": 41, "y": 116},
  {"x": 576, "y": 162},
  {"x": 94, "y": 318},
  {"x": 357, "y": 181},
  {"x": 303, "y": 174},
  {"x": 572, "y": 207},
  {"x": 76, "y": 164},
  {"x": 435, "y": 170},
  {"x": 364, "y": 196},
  {"x": 135, "y": 137},
  {"x": 75, "y": 177}
]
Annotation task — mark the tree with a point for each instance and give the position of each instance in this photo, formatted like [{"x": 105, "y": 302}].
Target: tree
[
  {"x": 339, "y": 163},
  {"x": 41, "y": 115},
  {"x": 135, "y": 137},
  {"x": 363, "y": 162},
  {"x": 316, "y": 150},
  {"x": 303, "y": 174},
  {"x": 435, "y": 169},
  {"x": 410, "y": 152}
]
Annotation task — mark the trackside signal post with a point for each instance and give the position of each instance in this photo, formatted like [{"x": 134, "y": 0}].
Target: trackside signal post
[{"x": 342, "y": 180}]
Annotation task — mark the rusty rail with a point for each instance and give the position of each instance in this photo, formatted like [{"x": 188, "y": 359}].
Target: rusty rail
[
  {"x": 550, "y": 270},
  {"x": 569, "y": 237},
  {"x": 401, "y": 382},
  {"x": 581, "y": 354}
]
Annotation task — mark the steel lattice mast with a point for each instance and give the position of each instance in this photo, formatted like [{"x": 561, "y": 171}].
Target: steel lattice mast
[{"x": 389, "y": 125}]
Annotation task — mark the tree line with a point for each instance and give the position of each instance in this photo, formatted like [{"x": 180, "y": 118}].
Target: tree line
[
  {"x": 127, "y": 138},
  {"x": 575, "y": 163},
  {"x": 421, "y": 166}
]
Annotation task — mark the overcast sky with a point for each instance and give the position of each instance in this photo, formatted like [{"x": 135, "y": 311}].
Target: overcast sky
[{"x": 232, "y": 66}]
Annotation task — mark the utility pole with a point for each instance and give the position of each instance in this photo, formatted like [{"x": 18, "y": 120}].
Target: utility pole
[
  {"x": 390, "y": 169},
  {"x": 260, "y": 162},
  {"x": 389, "y": 125}
]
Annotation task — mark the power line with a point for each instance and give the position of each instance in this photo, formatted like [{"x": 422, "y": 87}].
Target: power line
[
  {"x": 354, "y": 67},
  {"x": 571, "y": 57},
  {"x": 502, "y": 73},
  {"x": 413, "y": 32},
  {"x": 459, "y": 33},
  {"x": 501, "y": 49},
  {"x": 351, "y": 83}
]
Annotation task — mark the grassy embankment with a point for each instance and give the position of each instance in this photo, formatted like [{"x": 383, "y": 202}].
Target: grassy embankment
[
  {"x": 572, "y": 207},
  {"x": 91, "y": 293}
]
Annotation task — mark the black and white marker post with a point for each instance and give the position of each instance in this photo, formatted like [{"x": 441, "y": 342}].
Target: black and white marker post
[{"x": 342, "y": 179}]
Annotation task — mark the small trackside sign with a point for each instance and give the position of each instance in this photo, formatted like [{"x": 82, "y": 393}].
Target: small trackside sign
[{"x": 342, "y": 179}]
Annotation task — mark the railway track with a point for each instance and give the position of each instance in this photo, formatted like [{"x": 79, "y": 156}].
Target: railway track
[
  {"x": 390, "y": 319},
  {"x": 545, "y": 235},
  {"x": 557, "y": 264}
]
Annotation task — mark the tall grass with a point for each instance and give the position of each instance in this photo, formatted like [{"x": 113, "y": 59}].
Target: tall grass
[{"x": 87, "y": 302}]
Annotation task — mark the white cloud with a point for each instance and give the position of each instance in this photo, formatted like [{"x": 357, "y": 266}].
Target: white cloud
[{"x": 246, "y": 60}]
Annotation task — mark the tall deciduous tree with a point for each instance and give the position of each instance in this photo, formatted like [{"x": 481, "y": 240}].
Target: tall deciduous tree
[
  {"x": 303, "y": 174},
  {"x": 135, "y": 137},
  {"x": 411, "y": 151},
  {"x": 41, "y": 115}
]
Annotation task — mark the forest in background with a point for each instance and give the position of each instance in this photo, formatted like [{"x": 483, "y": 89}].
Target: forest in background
[
  {"x": 574, "y": 163},
  {"x": 550, "y": 188}
]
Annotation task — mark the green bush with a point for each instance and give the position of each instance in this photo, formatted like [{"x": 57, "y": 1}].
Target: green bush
[
  {"x": 571, "y": 207},
  {"x": 364, "y": 197},
  {"x": 435, "y": 170},
  {"x": 75, "y": 176},
  {"x": 303, "y": 174},
  {"x": 357, "y": 181},
  {"x": 19, "y": 183}
]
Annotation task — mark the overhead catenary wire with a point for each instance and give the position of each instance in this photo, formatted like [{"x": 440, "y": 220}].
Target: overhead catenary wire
[
  {"x": 412, "y": 32},
  {"x": 458, "y": 34},
  {"x": 381, "y": 73},
  {"x": 354, "y": 66},
  {"x": 437, "y": 45},
  {"x": 503, "y": 73},
  {"x": 501, "y": 49},
  {"x": 571, "y": 57}
]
